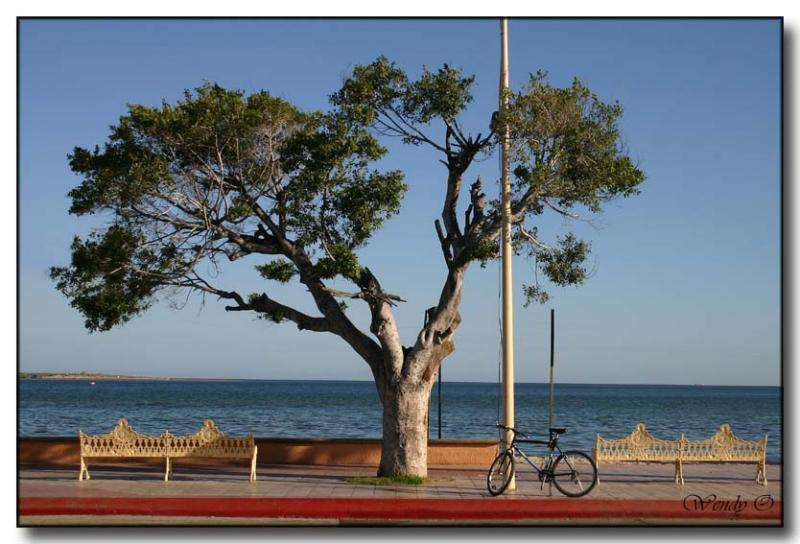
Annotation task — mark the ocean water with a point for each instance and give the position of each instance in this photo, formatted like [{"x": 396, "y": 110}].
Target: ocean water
[{"x": 342, "y": 409}]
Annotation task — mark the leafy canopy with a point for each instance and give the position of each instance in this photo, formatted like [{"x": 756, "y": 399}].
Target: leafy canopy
[
  {"x": 225, "y": 175},
  {"x": 566, "y": 157},
  {"x": 381, "y": 95},
  {"x": 566, "y": 146},
  {"x": 195, "y": 181}
]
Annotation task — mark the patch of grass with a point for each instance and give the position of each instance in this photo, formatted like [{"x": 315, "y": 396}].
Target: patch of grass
[{"x": 386, "y": 480}]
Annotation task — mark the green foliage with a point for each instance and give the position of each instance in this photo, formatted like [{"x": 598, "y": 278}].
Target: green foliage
[
  {"x": 151, "y": 149},
  {"x": 192, "y": 177},
  {"x": 331, "y": 197},
  {"x": 534, "y": 294},
  {"x": 566, "y": 146},
  {"x": 444, "y": 94},
  {"x": 100, "y": 281},
  {"x": 279, "y": 270},
  {"x": 275, "y": 316},
  {"x": 566, "y": 156},
  {"x": 239, "y": 209},
  {"x": 371, "y": 88},
  {"x": 119, "y": 176},
  {"x": 341, "y": 261},
  {"x": 378, "y": 92},
  {"x": 483, "y": 250},
  {"x": 563, "y": 265},
  {"x": 221, "y": 174}
]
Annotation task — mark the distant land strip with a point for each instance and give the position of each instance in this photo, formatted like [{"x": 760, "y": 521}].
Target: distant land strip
[
  {"x": 81, "y": 376},
  {"x": 95, "y": 376}
]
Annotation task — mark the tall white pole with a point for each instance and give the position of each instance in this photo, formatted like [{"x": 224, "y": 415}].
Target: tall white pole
[
  {"x": 508, "y": 315},
  {"x": 552, "y": 418}
]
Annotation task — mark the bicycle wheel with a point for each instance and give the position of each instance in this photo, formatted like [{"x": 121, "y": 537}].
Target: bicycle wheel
[
  {"x": 500, "y": 473},
  {"x": 574, "y": 473}
]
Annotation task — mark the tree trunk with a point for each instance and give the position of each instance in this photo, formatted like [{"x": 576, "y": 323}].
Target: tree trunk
[
  {"x": 405, "y": 429},
  {"x": 405, "y": 384}
]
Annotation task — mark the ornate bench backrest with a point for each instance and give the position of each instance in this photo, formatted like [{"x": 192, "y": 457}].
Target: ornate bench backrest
[
  {"x": 123, "y": 441},
  {"x": 640, "y": 445},
  {"x": 209, "y": 441},
  {"x": 723, "y": 446}
]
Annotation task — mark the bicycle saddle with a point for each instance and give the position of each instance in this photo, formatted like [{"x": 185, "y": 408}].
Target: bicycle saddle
[{"x": 558, "y": 430}]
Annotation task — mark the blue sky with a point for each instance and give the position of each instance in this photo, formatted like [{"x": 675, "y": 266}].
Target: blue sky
[{"x": 686, "y": 282}]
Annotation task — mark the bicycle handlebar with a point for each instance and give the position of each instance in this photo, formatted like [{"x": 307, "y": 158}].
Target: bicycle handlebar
[
  {"x": 517, "y": 432},
  {"x": 513, "y": 430}
]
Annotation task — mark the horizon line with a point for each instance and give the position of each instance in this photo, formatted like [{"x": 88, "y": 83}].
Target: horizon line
[{"x": 126, "y": 377}]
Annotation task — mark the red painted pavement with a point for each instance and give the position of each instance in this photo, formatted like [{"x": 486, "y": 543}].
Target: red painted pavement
[{"x": 391, "y": 509}]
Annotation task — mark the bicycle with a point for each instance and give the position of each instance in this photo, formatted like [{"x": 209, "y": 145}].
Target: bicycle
[{"x": 572, "y": 472}]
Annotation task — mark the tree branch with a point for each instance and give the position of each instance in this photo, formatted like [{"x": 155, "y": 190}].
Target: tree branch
[
  {"x": 388, "y": 298},
  {"x": 440, "y": 324},
  {"x": 494, "y": 228},
  {"x": 571, "y": 215},
  {"x": 445, "y": 243},
  {"x": 278, "y": 311},
  {"x": 531, "y": 238},
  {"x": 416, "y": 134},
  {"x": 383, "y": 324}
]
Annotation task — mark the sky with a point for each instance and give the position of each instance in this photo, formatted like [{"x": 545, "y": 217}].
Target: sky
[{"x": 685, "y": 287}]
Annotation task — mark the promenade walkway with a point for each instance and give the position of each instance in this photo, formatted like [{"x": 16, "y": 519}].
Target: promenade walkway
[{"x": 133, "y": 494}]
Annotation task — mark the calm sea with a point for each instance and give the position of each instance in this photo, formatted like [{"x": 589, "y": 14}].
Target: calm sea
[{"x": 340, "y": 409}]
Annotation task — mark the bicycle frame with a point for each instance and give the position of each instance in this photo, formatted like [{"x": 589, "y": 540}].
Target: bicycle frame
[
  {"x": 551, "y": 471},
  {"x": 547, "y": 468}
]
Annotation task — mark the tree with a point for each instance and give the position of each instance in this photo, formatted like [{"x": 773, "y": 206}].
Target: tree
[{"x": 221, "y": 175}]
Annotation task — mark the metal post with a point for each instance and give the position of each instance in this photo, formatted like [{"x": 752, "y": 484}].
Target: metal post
[
  {"x": 552, "y": 350},
  {"x": 440, "y": 401},
  {"x": 508, "y": 317}
]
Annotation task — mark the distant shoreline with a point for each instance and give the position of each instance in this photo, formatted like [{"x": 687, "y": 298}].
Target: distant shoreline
[
  {"x": 99, "y": 376},
  {"x": 96, "y": 376}
]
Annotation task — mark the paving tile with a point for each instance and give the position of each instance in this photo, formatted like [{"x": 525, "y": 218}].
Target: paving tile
[{"x": 641, "y": 481}]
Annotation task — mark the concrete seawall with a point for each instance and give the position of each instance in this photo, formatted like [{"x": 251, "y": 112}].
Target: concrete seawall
[{"x": 276, "y": 451}]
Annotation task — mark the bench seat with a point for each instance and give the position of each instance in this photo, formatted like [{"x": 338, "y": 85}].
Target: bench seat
[{"x": 209, "y": 442}]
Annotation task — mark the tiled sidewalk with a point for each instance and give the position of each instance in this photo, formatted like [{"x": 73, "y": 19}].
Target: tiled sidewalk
[{"x": 641, "y": 485}]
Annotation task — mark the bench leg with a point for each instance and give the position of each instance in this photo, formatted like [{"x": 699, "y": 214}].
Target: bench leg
[
  {"x": 679, "y": 472},
  {"x": 84, "y": 473},
  {"x": 761, "y": 474},
  {"x": 168, "y": 470}
]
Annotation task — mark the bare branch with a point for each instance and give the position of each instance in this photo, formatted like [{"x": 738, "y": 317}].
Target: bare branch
[
  {"x": 528, "y": 236},
  {"x": 415, "y": 132},
  {"x": 263, "y": 304},
  {"x": 571, "y": 215},
  {"x": 388, "y": 298},
  {"x": 445, "y": 243}
]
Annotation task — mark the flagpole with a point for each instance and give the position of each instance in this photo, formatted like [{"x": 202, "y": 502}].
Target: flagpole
[
  {"x": 508, "y": 317},
  {"x": 552, "y": 358}
]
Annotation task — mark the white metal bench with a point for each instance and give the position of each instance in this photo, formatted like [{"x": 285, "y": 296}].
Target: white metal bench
[
  {"x": 723, "y": 447},
  {"x": 209, "y": 442}
]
